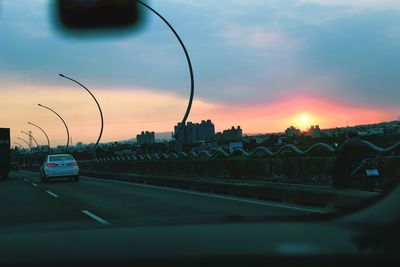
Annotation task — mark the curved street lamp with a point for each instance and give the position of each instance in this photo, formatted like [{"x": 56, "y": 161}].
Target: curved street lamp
[
  {"x": 18, "y": 144},
  {"x": 25, "y": 142},
  {"x": 30, "y": 150},
  {"x": 97, "y": 103},
  {"x": 189, "y": 106},
  {"x": 31, "y": 136},
  {"x": 66, "y": 127},
  {"x": 47, "y": 137}
]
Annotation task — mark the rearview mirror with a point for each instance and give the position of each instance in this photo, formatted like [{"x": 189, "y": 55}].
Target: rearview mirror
[{"x": 97, "y": 14}]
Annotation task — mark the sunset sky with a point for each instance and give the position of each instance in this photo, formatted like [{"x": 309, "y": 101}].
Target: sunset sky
[{"x": 259, "y": 64}]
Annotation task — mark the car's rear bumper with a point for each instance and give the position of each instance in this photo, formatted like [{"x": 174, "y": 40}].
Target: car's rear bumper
[{"x": 55, "y": 173}]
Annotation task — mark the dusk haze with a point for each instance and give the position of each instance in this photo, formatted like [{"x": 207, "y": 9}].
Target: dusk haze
[{"x": 292, "y": 58}]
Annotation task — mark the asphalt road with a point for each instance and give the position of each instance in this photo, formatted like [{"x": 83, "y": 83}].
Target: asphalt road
[{"x": 27, "y": 201}]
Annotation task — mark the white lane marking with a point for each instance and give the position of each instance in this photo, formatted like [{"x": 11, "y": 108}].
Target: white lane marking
[
  {"x": 34, "y": 184},
  {"x": 51, "y": 193},
  {"x": 262, "y": 203},
  {"x": 26, "y": 180},
  {"x": 95, "y": 217}
]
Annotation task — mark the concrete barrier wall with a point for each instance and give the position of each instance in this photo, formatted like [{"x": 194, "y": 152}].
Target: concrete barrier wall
[{"x": 302, "y": 170}]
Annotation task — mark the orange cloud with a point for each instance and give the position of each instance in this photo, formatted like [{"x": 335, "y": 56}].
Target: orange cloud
[
  {"x": 126, "y": 112},
  {"x": 277, "y": 116},
  {"x": 129, "y": 111}
]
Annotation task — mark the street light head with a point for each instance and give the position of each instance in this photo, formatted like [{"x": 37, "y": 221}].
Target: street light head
[
  {"x": 61, "y": 75},
  {"x": 39, "y": 104}
]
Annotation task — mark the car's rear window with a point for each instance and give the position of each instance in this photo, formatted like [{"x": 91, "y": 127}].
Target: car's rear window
[{"x": 60, "y": 158}]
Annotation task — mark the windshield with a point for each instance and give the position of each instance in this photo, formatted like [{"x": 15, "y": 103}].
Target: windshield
[
  {"x": 60, "y": 158},
  {"x": 295, "y": 111}
]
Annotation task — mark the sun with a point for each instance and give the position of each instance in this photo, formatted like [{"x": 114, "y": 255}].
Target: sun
[{"x": 304, "y": 118}]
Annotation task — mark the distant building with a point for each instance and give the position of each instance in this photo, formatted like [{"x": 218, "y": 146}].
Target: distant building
[
  {"x": 258, "y": 139},
  {"x": 44, "y": 148},
  {"x": 292, "y": 131},
  {"x": 235, "y": 145},
  {"x": 314, "y": 131},
  {"x": 231, "y": 135},
  {"x": 79, "y": 145},
  {"x": 145, "y": 138},
  {"x": 59, "y": 149},
  {"x": 206, "y": 131},
  {"x": 195, "y": 132}
]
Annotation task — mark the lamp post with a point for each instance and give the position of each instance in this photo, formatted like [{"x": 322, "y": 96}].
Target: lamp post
[
  {"x": 31, "y": 136},
  {"x": 66, "y": 127},
  {"x": 18, "y": 144},
  {"x": 25, "y": 142},
  {"x": 30, "y": 150},
  {"x": 98, "y": 106},
  {"x": 47, "y": 137},
  {"x": 189, "y": 106}
]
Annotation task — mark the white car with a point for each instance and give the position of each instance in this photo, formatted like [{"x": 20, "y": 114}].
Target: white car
[{"x": 59, "y": 166}]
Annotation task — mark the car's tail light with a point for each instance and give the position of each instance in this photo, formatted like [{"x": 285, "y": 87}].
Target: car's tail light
[
  {"x": 52, "y": 165},
  {"x": 72, "y": 164}
]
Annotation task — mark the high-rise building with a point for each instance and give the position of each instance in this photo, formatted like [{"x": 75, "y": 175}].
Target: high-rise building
[
  {"x": 314, "y": 131},
  {"x": 292, "y": 131},
  {"x": 233, "y": 134},
  {"x": 145, "y": 138},
  {"x": 194, "y": 132},
  {"x": 230, "y": 135},
  {"x": 206, "y": 130}
]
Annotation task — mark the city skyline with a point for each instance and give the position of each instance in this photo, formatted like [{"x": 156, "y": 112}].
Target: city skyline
[
  {"x": 252, "y": 121},
  {"x": 331, "y": 61},
  {"x": 314, "y": 131}
]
